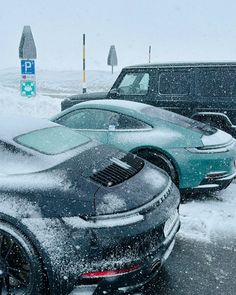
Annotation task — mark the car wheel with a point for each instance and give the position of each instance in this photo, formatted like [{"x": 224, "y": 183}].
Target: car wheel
[
  {"x": 20, "y": 267},
  {"x": 164, "y": 163}
]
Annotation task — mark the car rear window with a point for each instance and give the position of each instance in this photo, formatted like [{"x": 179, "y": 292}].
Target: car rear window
[
  {"x": 52, "y": 141},
  {"x": 178, "y": 120}
]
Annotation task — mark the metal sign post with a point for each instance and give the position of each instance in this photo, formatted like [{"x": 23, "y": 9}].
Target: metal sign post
[
  {"x": 112, "y": 58},
  {"x": 84, "y": 72},
  {"x": 149, "y": 54},
  {"x": 27, "y": 54}
]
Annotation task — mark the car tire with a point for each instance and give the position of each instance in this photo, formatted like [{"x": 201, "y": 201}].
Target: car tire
[
  {"x": 160, "y": 161},
  {"x": 166, "y": 164},
  {"x": 20, "y": 266}
]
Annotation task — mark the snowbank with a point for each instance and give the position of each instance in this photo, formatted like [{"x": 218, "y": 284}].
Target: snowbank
[
  {"x": 11, "y": 102},
  {"x": 210, "y": 219},
  {"x": 60, "y": 83},
  {"x": 52, "y": 87}
]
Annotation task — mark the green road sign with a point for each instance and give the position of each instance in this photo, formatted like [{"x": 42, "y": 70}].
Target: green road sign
[{"x": 28, "y": 88}]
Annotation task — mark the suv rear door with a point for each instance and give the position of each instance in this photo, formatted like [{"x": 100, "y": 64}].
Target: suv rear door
[
  {"x": 175, "y": 89},
  {"x": 216, "y": 88}
]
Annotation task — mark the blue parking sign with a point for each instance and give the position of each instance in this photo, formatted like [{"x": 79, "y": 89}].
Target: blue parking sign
[{"x": 27, "y": 67}]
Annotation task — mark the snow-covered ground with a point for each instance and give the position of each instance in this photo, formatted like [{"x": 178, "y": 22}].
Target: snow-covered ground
[
  {"x": 52, "y": 87},
  {"x": 61, "y": 83},
  {"x": 12, "y": 102},
  {"x": 202, "y": 219},
  {"x": 210, "y": 218}
]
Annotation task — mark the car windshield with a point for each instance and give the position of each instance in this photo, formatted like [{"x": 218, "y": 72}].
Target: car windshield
[{"x": 52, "y": 141}]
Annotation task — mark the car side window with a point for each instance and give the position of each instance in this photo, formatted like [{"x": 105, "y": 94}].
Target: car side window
[
  {"x": 135, "y": 83},
  {"x": 123, "y": 122},
  {"x": 216, "y": 82},
  {"x": 174, "y": 82},
  {"x": 86, "y": 119}
]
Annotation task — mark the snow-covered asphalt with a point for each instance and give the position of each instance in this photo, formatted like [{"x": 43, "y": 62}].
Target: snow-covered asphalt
[
  {"x": 197, "y": 268},
  {"x": 210, "y": 218},
  {"x": 203, "y": 261}
]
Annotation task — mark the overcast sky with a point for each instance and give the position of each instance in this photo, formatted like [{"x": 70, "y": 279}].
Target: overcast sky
[{"x": 178, "y": 30}]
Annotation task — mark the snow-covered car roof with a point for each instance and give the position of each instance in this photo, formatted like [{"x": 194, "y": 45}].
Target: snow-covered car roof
[
  {"x": 28, "y": 158},
  {"x": 14, "y": 125},
  {"x": 183, "y": 64}
]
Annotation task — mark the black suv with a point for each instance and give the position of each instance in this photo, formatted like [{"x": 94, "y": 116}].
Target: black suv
[{"x": 203, "y": 91}]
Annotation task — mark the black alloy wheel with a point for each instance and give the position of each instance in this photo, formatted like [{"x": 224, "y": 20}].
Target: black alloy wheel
[
  {"x": 160, "y": 161},
  {"x": 166, "y": 164},
  {"x": 20, "y": 268}
]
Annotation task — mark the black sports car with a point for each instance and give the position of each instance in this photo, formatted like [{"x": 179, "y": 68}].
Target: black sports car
[{"x": 78, "y": 216}]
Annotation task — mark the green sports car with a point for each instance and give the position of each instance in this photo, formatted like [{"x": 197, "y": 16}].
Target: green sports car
[{"x": 197, "y": 156}]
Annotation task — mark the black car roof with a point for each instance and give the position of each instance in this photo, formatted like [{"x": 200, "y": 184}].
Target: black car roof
[
  {"x": 14, "y": 125},
  {"x": 184, "y": 64}
]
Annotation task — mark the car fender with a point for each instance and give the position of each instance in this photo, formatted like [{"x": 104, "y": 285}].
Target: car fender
[{"x": 25, "y": 216}]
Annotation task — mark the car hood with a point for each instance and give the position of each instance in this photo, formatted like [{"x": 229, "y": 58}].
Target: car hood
[{"x": 89, "y": 96}]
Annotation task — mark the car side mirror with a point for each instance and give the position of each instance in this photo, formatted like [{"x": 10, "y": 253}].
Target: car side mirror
[
  {"x": 115, "y": 91},
  {"x": 111, "y": 128}
]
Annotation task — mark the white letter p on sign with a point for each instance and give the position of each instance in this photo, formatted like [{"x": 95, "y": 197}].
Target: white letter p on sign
[{"x": 27, "y": 65}]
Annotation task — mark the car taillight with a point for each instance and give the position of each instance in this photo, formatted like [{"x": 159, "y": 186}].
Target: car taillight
[
  {"x": 216, "y": 174},
  {"x": 109, "y": 273}
]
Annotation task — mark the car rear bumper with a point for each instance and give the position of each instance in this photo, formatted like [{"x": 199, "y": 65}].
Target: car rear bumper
[
  {"x": 196, "y": 169},
  {"x": 121, "y": 284},
  {"x": 216, "y": 183}
]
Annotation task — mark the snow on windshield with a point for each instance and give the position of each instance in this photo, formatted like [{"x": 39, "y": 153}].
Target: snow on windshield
[{"x": 52, "y": 141}]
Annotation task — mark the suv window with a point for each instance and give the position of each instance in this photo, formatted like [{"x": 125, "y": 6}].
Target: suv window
[
  {"x": 135, "y": 83},
  {"x": 216, "y": 83},
  {"x": 174, "y": 82}
]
